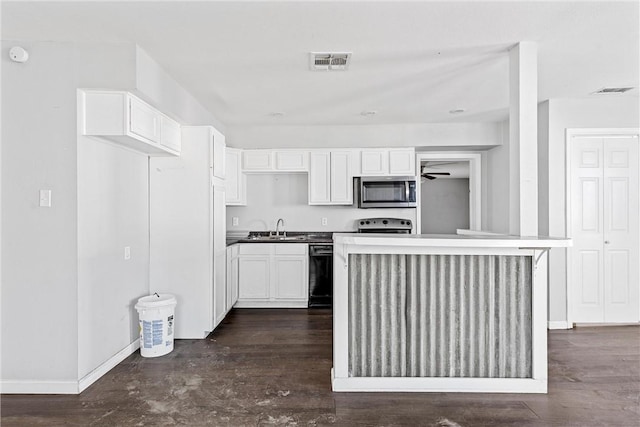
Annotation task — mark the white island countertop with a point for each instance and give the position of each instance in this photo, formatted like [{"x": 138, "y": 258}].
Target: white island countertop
[{"x": 451, "y": 240}]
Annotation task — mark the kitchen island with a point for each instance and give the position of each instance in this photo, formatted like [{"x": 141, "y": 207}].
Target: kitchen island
[{"x": 454, "y": 313}]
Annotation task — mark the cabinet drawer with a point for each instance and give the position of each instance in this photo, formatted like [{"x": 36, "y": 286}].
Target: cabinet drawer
[
  {"x": 255, "y": 248},
  {"x": 291, "y": 248}
]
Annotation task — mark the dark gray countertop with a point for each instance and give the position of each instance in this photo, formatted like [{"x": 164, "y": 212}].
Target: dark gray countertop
[{"x": 304, "y": 237}]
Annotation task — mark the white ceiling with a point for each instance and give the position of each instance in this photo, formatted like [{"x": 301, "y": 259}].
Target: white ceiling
[{"x": 412, "y": 62}]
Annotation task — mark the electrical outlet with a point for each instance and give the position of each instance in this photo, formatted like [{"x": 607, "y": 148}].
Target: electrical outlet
[
  {"x": 324, "y": 221},
  {"x": 127, "y": 252},
  {"x": 45, "y": 198},
  {"x": 235, "y": 221}
]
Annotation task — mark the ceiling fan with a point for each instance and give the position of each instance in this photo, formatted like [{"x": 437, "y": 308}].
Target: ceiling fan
[{"x": 432, "y": 175}]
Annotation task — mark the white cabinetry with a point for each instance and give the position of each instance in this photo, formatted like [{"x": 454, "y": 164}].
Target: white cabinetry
[
  {"x": 387, "y": 161},
  {"x": 125, "y": 119},
  {"x": 187, "y": 234},
  {"x": 232, "y": 275},
  {"x": 235, "y": 180},
  {"x": 330, "y": 178},
  {"x": 275, "y": 161},
  {"x": 273, "y": 275}
]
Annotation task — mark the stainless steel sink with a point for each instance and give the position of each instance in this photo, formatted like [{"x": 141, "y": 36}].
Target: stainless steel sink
[{"x": 275, "y": 238}]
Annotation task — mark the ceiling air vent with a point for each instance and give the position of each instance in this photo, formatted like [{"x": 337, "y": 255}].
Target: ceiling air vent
[
  {"x": 608, "y": 90},
  {"x": 329, "y": 61}
]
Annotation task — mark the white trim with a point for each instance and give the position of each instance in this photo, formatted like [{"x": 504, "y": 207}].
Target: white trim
[
  {"x": 247, "y": 303},
  {"x": 38, "y": 387},
  {"x": 475, "y": 182},
  {"x": 113, "y": 361},
  {"x": 569, "y": 134},
  {"x": 558, "y": 324},
  {"x": 67, "y": 387},
  {"x": 438, "y": 385}
]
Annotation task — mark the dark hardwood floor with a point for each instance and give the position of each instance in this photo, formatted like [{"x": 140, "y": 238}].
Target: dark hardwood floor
[{"x": 272, "y": 367}]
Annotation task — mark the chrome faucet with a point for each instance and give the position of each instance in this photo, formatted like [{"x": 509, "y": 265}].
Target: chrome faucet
[{"x": 284, "y": 233}]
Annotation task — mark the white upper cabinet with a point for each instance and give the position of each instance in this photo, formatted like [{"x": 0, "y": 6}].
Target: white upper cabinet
[
  {"x": 341, "y": 178},
  {"x": 319, "y": 178},
  {"x": 275, "y": 161},
  {"x": 125, "y": 119},
  {"x": 292, "y": 161},
  {"x": 374, "y": 162},
  {"x": 330, "y": 178},
  {"x": 235, "y": 181},
  {"x": 387, "y": 161},
  {"x": 257, "y": 160},
  {"x": 402, "y": 161}
]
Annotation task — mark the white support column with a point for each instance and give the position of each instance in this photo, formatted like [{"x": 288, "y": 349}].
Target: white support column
[{"x": 523, "y": 127}]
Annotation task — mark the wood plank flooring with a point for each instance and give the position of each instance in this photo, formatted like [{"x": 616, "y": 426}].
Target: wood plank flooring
[{"x": 272, "y": 367}]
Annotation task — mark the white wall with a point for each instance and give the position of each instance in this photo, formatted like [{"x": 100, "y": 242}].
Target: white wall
[
  {"x": 596, "y": 112},
  {"x": 112, "y": 213},
  {"x": 444, "y": 205},
  {"x": 500, "y": 207},
  {"x": 67, "y": 293},
  {"x": 403, "y": 135},
  {"x": 273, "y": 196},
  {"x": 39, "y": 245}
]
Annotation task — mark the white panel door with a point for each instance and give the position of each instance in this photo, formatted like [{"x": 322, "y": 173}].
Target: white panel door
[
  {"x": 254, "y": 279},
  {"x": 341, "y": 178},
  {"x": 219, "y": 261},
  {"x": 374, "y": 162},
  {"x": 621, "y": 256},
  {"x": 402, "y": 162},
  {"x": 291, "y": 279},
  {"x": 604, "y": 202},
  {"x": 319, "y": 184},
  {"x": 235, "y": 183}
]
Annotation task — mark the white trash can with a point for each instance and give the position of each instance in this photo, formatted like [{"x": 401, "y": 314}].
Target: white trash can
[{"x": 155, "y": 314}]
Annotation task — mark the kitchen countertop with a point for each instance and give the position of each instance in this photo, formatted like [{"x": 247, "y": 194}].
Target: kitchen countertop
[{"x": 306, "y": 237}]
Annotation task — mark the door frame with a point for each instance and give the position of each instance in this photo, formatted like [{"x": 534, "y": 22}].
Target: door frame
[
  {"x": 475, "y": 182},
  {"x": 571, "y": 133}
]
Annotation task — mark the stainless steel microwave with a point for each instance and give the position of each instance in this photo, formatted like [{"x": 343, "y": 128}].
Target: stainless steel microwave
[{"x": 386, "y": 191}]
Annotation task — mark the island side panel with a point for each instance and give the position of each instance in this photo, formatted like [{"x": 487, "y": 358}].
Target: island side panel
[{"x": 459, "y": 316}]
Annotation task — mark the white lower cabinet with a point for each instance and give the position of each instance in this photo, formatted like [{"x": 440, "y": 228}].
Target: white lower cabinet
[{"x": 273, "y": 275}]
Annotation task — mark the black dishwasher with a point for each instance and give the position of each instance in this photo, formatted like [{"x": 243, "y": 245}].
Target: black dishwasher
[{"x": 320, "y": 275}]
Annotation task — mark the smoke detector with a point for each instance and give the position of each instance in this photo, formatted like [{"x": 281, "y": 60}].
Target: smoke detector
[
  {"x": 611, "y": 90},
  {"x": 329, "y": 61}
]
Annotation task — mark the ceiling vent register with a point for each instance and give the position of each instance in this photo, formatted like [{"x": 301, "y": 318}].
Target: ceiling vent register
[
  {"x": 608, "y": 90},
  {"x": 325, "y": 61}
]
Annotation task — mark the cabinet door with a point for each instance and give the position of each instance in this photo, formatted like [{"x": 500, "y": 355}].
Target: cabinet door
[
  {"x": 253, "y": 277},
  {"x": 295, "y": 161},
  {"x": 341, "y": 178},
  {"x": 219, "y": 255},
  {"x": 170, "y": 135},
  {"x": 219, "y": 160},
  {"x": 290, "y": 279},
  {"x": 144, "y": 121},
  {"x": 319, "y": 178},
  {"x": 374, "y": 162},
  {"x": 257, "y": 160},
  {"x": 402, "y": 162},
  {"x": 234, "y": 179},
  {"x": 234, "y": 282}
]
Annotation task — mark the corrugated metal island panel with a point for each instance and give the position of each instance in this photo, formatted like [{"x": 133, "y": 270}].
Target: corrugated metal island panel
[{"x": 440, "y": 316}]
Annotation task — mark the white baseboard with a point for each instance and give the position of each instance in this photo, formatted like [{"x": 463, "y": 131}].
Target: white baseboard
[
  {"x": 67, "y": 387},
  {"x": 271, "y": 304},
  {"x": 559, "y": 324},
  {"x": 38, "y": 387},
  {"x": 97, "y": 373}
]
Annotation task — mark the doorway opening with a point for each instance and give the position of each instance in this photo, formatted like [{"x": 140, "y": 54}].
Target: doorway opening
[{"x": 449, "y": 192}]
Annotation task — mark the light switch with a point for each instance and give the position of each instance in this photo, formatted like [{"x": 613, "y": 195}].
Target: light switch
[
  {"x": 324, "y": 221},
  {"x": 127, "y": 252},
  {"x": 235, "y": 221},
  {"x": 45, "y": 198}
]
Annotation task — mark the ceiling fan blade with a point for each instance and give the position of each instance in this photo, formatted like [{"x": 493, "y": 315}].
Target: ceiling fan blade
[
  {"x": 429, "y": 177},
  {"x": 438, "y": 173}
]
